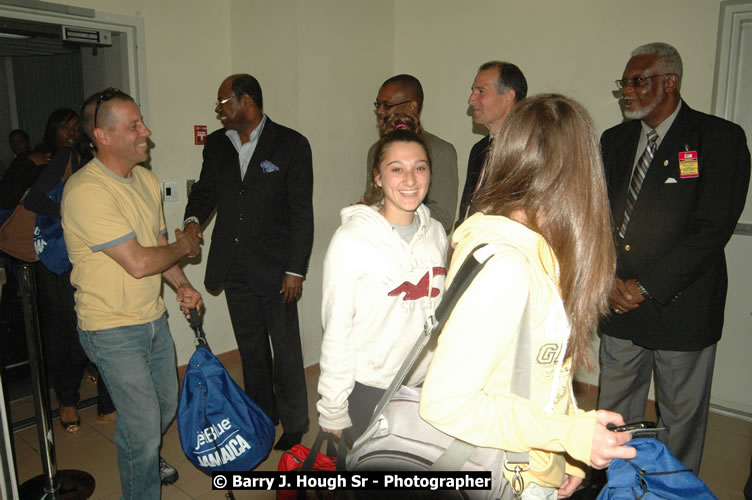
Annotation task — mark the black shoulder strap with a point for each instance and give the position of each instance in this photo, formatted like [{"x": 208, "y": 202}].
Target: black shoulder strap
[{"x": 195, "y": 321}]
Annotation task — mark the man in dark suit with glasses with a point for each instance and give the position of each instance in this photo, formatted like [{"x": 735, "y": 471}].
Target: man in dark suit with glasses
[
  {"x": 258, "y": 175},
  {"x": 677, "y": 182}
]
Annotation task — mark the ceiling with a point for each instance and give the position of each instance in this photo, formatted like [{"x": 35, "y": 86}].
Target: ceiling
[{"x": 46, "y": 39}]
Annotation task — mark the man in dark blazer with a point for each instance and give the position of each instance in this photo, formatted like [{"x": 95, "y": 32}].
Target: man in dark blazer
[
  {"x": 497, "y": 87},
  {"x": 258, "y": 176},
  {"x": 670, "y": 230}
]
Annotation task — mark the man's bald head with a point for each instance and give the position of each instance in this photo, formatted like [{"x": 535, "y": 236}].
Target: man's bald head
[{"x": 96, "y": 110}]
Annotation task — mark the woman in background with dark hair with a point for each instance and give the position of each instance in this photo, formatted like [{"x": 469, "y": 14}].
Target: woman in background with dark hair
[
  {"x": 544, "y": 210},
  {"x": 62, "y": 131},
  {"x": 21, "y": 173},
  {"x": 61, "y": 138},
  {"x": 383, "y": 277},
  {"x": 66, "y": 360}
]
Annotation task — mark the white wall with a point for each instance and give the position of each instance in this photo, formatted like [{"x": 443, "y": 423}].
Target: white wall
[
  {"x": 577, "y": 48},
  {"x": 187, "y": 49},
  {"x": 320, "y": 69},
  {"x": 107, "y": 68},
  {"x": 320, "y": 63}
]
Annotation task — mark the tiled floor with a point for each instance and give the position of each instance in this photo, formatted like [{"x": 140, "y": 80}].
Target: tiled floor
[{"x": 728, "y": 449}]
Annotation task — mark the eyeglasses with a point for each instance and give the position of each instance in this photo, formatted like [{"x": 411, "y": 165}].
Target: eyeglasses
[
  {"x": 638, "y": 81},
  {"x": 105, "y": 95},
  {"x": 377, "y": 105},
  {"x": 224, "y": 101}
]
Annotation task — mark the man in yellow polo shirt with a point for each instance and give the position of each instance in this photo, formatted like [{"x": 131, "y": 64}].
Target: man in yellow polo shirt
[{"x": 116, "y": 237}]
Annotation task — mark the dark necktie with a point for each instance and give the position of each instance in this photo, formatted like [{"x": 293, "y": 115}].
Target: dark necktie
[
  {"x": 482, "y": 173},
  {"x": 641, "y": 169}
]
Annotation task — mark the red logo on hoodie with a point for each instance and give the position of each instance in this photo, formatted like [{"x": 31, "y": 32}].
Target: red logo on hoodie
[{"x": 415, "y": 292}]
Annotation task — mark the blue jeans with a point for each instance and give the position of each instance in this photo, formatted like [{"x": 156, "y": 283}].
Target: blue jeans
[{"x": 137, "y": 364}]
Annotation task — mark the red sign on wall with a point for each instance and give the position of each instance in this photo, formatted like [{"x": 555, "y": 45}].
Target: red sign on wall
[{"x": 199, "y": 135}]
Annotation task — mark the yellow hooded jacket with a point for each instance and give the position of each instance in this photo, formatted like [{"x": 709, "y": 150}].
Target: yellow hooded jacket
[{"x": 467, "y": 392}]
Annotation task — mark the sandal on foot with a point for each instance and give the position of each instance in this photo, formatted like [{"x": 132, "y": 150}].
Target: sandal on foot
[
  {"x": 73, "y": 426},
  {"x": 107, "y": 417}
]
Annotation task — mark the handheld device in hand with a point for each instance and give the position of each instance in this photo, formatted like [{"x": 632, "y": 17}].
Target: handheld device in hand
[{"x": 636, "y": 428}]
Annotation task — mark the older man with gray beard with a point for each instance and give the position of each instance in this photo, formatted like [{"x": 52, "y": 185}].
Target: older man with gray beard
[{"x": 677, "y": 182}]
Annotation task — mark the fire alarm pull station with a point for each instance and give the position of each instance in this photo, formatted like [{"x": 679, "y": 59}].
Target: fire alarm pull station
[{"x": 199, "y": 134}]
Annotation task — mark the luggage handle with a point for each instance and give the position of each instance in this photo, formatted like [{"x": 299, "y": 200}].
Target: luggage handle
[
  {"x": 195, "y": 321},
  {"x": 331, "y": 439}
]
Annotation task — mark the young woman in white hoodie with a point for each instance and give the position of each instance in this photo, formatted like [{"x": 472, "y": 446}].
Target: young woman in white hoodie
[
  {"x": 384, "y": 275},
  {"x": 544, "y": 210}
]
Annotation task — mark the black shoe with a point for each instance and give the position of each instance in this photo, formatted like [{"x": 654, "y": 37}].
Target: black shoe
[
  {"x": 167, "y": 473},
  {"x": 288, "y": 440},
  {"x": 591, "y": 490}
]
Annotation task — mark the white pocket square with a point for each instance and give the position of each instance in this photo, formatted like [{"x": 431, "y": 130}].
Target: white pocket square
[
  {"x": 670, "y": 180},
  {"x": 268, "y": 166}
]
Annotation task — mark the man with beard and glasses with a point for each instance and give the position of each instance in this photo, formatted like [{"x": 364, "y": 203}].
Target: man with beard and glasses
[{"x": 677, "y": 183}]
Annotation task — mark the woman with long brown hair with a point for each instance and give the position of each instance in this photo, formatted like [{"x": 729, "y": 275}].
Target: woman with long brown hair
[{"x": 544, "y": 210}]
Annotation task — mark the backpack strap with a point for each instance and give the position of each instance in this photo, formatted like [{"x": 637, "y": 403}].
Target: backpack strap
[{"x": 73, "y": 158}]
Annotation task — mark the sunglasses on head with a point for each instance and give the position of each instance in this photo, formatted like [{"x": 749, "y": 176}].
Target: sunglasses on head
[{"x": 105, "y": 95}]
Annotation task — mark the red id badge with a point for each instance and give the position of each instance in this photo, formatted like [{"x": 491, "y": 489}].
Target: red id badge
[{"x": 688, "y": 166}]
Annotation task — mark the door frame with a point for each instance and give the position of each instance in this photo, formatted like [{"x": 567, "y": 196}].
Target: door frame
[
  {"x": 132, "y": 28},
  {"x": 734, "y": 15}
]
